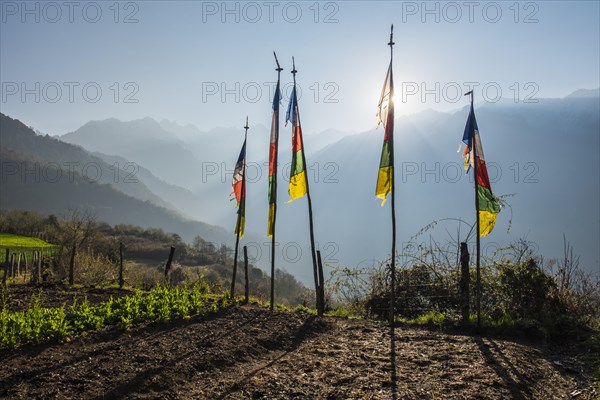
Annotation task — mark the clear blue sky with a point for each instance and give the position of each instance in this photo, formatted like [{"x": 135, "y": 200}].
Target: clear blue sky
[{"x": 176, "y": 55}]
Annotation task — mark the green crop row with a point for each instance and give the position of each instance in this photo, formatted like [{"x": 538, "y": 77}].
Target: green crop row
[{"x": 38, "y": 324}]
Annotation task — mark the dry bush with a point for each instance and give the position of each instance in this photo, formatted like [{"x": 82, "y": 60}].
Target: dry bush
[
  {"x": 143, "y": 276},
  {"x": 94, "y": 269},
  {"x": 577, "y": 290}
]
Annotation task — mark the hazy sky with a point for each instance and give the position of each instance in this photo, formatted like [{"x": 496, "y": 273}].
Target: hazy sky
[{"x": 211, "y": 63}]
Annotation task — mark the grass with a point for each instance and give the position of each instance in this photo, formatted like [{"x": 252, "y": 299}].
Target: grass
[
  {"x": 592, "y": 356},
  {"x": 343, "y": 312},
  {"x": 282, "y": 307},
  {"x": 430, "y": 318},
  {"x": 338, "y": 312},
  {"x": 11, "y": 241}
]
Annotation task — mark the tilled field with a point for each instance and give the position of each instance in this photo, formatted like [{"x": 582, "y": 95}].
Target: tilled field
[{"x": 250, "y": 352}]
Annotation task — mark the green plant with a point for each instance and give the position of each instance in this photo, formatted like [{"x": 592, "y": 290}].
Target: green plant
[
  {"x": 37, "y": 324},
  {"x": 591, "y": 356}
]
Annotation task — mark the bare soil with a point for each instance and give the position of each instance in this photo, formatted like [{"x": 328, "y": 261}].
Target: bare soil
[
  {"x": 19, "y": 297},
  {"x": 251, "y": 352}
]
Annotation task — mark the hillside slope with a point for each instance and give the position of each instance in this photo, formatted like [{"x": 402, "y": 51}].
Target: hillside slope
[
  {"x": 50, "y": 153},
  {"x": 47, "y": 186}
]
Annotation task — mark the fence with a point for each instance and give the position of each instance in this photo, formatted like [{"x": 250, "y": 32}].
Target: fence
[{"x": 23, "y": 264}]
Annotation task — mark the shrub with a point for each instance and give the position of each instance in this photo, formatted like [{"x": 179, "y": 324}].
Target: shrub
[{"x": 524, "y": 289}]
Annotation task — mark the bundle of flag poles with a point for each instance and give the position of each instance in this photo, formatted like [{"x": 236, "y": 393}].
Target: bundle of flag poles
[
  {"x": 298, "y": 187},
  {"x": 486, "y": 204}
]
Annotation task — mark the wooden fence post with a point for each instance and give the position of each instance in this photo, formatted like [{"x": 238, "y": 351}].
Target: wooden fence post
[
  {"x": 39, "y": 266},
  {"x": 169, "y": 262},
  {"x": 72, "y": 265},
  {"x": 464, "y": 282},
  {"x": 6, "y": 267},
  {"x": 121, "y": 281},
  {"x": 25, "y": 260},
  {"x": 247, "y": 284},
  {"x": 408, "y": 302},
  {"x": 12, "y": 264},
  {"x": 19, "y": 264},
  {"x": 321, "y": 288},
  {"x": 34, "y": 255}
]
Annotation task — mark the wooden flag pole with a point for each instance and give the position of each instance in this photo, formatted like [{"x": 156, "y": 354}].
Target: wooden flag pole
[
  {"x": 477, "y": 262},
  {"x": 246, "y": 281},
  {"x": 235, "y": 257},
  {"x": 239, "y": 217},
  {"x": 393, "y": 260},
  {"x": 121, "y": 280},
  {"x": 310, "y": 213},
  {"x": 278, "y": 69}
]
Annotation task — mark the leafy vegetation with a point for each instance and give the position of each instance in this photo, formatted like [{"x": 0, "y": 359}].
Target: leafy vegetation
[
  {"x": 517, "y": 289},
  {"x": 592, "y": 357},
  {"x": 161, "y": 304}
]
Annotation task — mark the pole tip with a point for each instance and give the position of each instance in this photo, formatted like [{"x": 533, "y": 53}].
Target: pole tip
[
  {"x": 278, "y": 69},
  {"x": 294, "y": 66}
]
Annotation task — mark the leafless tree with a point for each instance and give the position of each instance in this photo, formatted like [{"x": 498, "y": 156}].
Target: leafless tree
[{"x": 77, "y": 228}]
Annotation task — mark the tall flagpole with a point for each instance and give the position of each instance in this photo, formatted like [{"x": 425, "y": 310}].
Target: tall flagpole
[
  {"x": 478, "y": 269},
  {"x": 239, "y": 218},
  {"x": 278, "y": 69},
  {"x": 393, "y": 261},
  {"x": 310, "y": 215}
]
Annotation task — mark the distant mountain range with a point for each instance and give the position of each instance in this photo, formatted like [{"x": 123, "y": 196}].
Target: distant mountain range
[
  {"x": 196, "y": 164},
  {"x": 546, "y": 154},
  {"x": 47, "y": 175},
  {"x": 143, "y": 142}
]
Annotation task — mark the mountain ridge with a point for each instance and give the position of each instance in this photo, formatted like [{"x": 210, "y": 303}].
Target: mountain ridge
[{"x": 54, "y": 189}]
